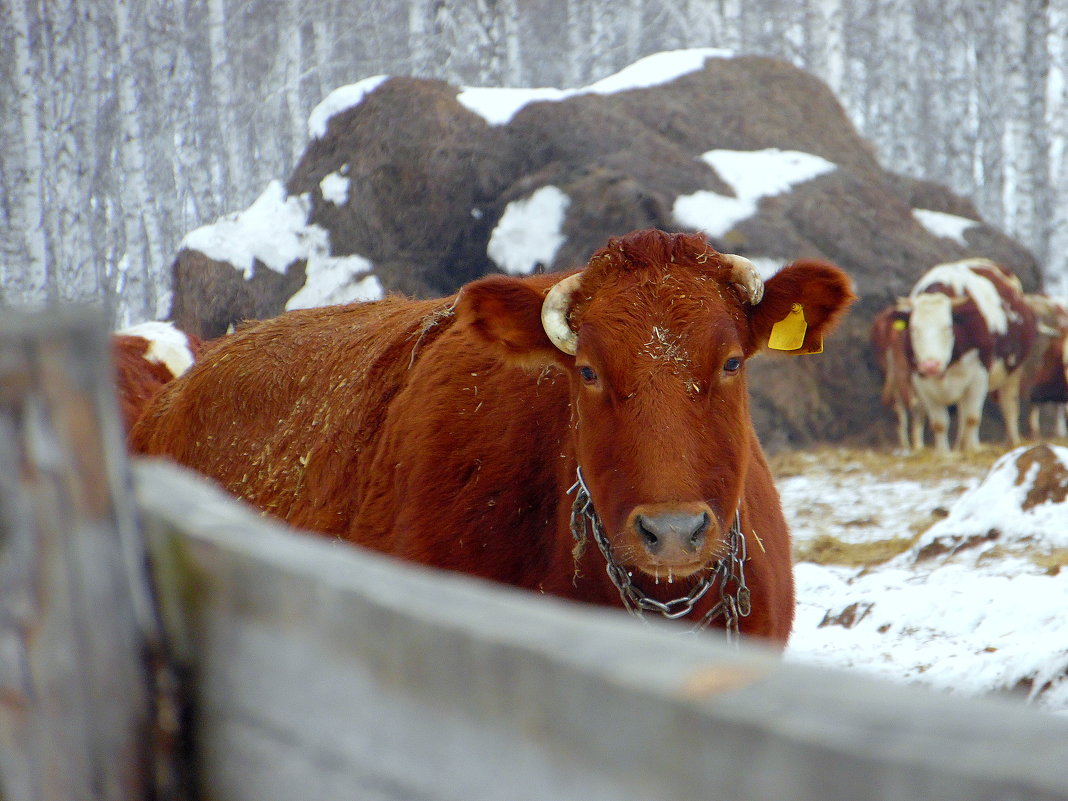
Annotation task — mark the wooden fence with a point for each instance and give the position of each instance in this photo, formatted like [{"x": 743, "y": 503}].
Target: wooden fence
[{"x": 256, "y": 662}]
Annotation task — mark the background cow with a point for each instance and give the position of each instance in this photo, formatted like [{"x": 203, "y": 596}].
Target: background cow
[
  {"x": 146, "y": 357},
  {"x": 970, "y": 330},
  {"x": 1052, "y": 319},
  {"x": 451, "y": 432},
  {"x": 1050, "y": 384},
  {"x": 889, "y": 336}
]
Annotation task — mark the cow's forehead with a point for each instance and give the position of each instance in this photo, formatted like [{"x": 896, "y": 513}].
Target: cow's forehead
[
  {"x": 930, "y": 303},
  {"x": 679, "y": 296}
]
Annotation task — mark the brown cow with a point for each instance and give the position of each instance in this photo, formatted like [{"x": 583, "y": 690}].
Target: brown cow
[
  {"x": 1052, "y": 318},
  {"x": 889, "y": 335},
  {"x": 1050, "y": 384},
  {"x": 146, "y": 357},
  {"x": 451, "y": 432}
]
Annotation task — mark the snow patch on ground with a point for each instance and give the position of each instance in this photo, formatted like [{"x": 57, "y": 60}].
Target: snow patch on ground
[{"x": 967, "y": 609}]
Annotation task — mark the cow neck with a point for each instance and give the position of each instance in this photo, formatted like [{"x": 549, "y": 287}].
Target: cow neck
[{"x": 731, "y": 606}]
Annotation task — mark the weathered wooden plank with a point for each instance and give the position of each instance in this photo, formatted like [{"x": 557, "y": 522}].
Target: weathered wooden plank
[
  {"x": 76, "y": 614},
  {"x": 324, "y": 672}
]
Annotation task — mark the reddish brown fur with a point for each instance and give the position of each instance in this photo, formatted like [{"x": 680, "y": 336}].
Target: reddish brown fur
[
  {"x": 889, "y": 335},
  {"x": 1043, "y": 380},
  {"x": 138, "y": 379},
  {"x": 447, "y": 432},
  {"x": 1050, "y": 384}
]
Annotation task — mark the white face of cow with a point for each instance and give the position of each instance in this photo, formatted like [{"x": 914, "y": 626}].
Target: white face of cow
[{"x": 931, "y": 332}]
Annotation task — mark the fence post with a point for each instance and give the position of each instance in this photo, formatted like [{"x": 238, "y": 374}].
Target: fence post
[{"x": 80, "y": 651}]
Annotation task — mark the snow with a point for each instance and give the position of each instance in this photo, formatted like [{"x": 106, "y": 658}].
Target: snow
[
  {"x": 342, "y": 98},
  {"x": 753, "y": 175},
  {"x": 966, "y": 609},
  {"x": 272, "y": 230},
  {"x": 949, "y": 226},
  {"x": 275, "y": 231},
  {"x": 336, "y": 279},
  {"x": 529, "y": 231},
  {"x": 167, "y": 345},
  {"x": 499, "y": 106},
  {"x": 335, "y": 188}
]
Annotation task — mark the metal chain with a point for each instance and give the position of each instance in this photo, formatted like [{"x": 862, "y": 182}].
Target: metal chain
[{"x": 728, "y": 571}]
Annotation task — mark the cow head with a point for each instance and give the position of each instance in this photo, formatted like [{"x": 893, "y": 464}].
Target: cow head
[
  {"x": 930, "y": 325},
  {"x": 654, "y": 335}
]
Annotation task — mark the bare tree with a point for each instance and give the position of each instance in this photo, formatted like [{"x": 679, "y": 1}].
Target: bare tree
[
  {"x": 28, "y": 207},
  {"x": 129, "y": 124},
  {"x": 141, "y": 224}
]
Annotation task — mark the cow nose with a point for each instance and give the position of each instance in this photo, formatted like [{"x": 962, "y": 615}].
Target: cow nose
[
  {"x": 672, "y": 534},
  {"x": 929, "y": 367}
]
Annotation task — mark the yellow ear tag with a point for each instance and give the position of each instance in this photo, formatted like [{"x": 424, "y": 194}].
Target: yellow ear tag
[
  {"x": 900, "y": 325},
  {"x": 789, "y": 332}
]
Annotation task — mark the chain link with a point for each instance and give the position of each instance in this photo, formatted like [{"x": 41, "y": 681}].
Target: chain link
[{"x": 730, "y": 570}]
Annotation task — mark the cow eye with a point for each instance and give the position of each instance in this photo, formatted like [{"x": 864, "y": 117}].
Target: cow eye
[
  {"x": 587, "y": 374},
  {"x": 732, "y": 365}
]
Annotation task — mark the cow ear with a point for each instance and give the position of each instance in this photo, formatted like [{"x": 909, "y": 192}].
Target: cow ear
[
  {"x": 802, "y": 302},
  {"x": 506, "y": 312}
]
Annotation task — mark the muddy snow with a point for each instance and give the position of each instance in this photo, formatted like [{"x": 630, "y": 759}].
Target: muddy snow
[{"x": 942, "y": 571}]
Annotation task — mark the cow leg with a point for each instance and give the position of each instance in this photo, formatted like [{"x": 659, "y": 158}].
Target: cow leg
[
  {"x": 1034, "y": 422},
  {"x": 917, "y": 427},
  {"x": 1060, "y": 420},
  {"x": 970, "y": 413},
  {"x": 939, "y": 419},
  {"x": 902, "y": 426},
  {"x": 1009, "y": 401}
]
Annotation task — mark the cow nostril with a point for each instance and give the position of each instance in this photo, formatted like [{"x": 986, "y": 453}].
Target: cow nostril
[
  {"x": 674, "y": 532},
  {"x": 649, "y": 537},
  {"x": 697, "y": 538}
]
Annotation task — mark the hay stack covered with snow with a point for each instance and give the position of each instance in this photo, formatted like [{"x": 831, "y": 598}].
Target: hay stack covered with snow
[{"x": 418, "y": 186}]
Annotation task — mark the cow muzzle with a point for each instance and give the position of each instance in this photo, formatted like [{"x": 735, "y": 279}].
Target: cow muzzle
[
  {"x": 672, "y": 538},
  {"x": 929, "y": 368}
]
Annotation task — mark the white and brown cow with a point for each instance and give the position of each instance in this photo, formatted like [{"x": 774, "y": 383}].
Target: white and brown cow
[
  {"x": 970, "y": 330},
  {"x": 147, "y": 356}
]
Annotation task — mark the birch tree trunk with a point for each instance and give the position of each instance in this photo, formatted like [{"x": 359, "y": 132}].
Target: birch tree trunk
[
  {"x": 32, "y": 278},
  {"x": 990, "y": 101},
  {"x": 512, "y": 40},
  {"x": 141, "y": 225},
  {"x": 575, "y": 72},
  {"x": 1057, "y": 264},
  {"x": 221, "y": 79},
  {"x": 825, "y": 46},
  {"x": 1033, "y": 183}
]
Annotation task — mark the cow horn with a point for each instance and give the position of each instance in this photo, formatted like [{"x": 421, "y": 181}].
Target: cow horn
[
  {"x": 744, "y": 274},
  {"x": 554, "y": 310}
]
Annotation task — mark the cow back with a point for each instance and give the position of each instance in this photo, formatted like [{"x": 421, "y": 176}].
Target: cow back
[{"x": 991, "y": 314}]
